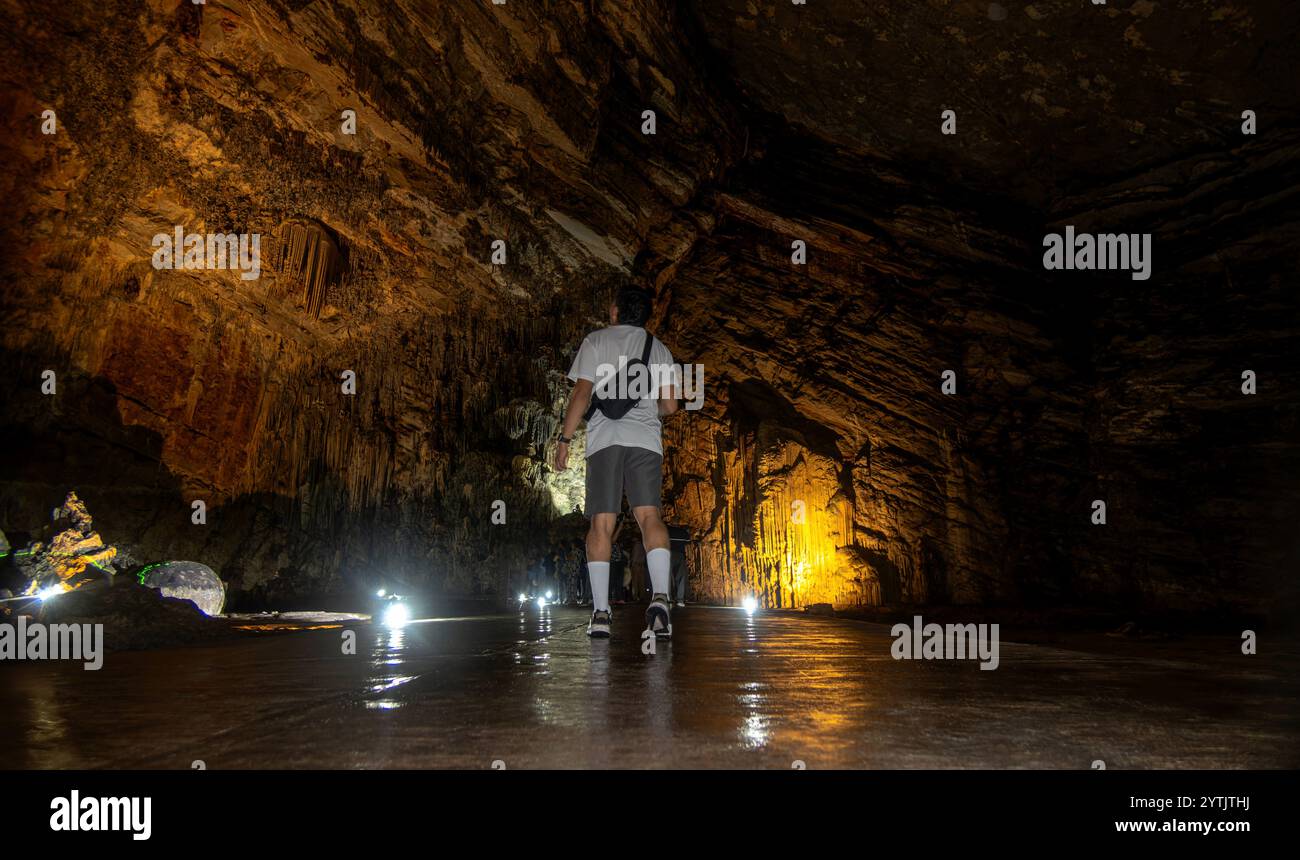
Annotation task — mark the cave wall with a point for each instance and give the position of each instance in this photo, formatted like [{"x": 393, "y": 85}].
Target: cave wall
[
  {"x": 832, "y": 398},
  {"x": 471, "y": 126},
  {"x": 522, "y": 122},
  {"x": 830, "y": 391}
]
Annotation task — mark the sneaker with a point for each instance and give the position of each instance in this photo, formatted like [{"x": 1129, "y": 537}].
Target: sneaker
[
  {"x": 599, "y": 626},
  {"x": 658, "y": 616},
  {"x": 681, "y": 603}
]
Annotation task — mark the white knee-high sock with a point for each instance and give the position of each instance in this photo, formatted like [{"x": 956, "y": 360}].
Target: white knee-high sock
[
  {"x": 659, "y": 561},
  {"x": 599, "y": 573}
]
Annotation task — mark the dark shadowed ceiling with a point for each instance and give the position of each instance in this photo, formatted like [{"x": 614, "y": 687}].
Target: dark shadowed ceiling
[{"x": 1049, "y": 96}]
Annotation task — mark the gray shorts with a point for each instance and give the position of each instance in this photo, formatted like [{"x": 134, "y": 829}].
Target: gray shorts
[{"x": 619, "y": 468}]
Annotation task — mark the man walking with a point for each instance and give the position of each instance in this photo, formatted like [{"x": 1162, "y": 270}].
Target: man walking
[{"x": 624, "y": 383}]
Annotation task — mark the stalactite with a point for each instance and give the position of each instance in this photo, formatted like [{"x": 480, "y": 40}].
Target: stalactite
[
  {"x": 311, "y": 256},
  {"x": 400, "y": 452}
]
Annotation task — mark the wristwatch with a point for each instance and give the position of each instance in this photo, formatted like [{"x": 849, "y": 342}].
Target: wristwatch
[{"x": 564, "y": 439}]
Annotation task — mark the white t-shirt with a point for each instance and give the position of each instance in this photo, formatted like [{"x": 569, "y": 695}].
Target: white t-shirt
[{"x": 606, "y": 350}]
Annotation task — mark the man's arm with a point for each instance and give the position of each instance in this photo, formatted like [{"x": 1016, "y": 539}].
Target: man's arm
[
  {"x": 669, "y": 395},
  {"x": 579, "y": 400},
  {"x": 668, "y": 400}
]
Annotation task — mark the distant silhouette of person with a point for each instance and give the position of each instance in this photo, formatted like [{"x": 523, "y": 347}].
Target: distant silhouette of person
[
  {"x": 617, "y": 566},
  {"x": 678, "y": 538},
  {"x": 580, "y": 562}
]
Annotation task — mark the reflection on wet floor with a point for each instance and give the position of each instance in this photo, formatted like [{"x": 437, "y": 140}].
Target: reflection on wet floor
[
  {"x": 529, "y": 689},
  {"x": 386, "y": 657}
]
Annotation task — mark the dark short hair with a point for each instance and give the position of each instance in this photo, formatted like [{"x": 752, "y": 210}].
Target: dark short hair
[{"x": 634, "y": 305}]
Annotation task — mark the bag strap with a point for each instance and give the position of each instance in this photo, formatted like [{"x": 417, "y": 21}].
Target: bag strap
[{"x": 645, "y": 359}]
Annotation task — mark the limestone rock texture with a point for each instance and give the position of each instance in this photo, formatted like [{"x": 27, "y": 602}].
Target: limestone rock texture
[
  {"x": 74, "y": 556},
  {"x": 826, "y": 464},
  {"x": 134, "y": 617},
  {"x": 188, "y": 580}
]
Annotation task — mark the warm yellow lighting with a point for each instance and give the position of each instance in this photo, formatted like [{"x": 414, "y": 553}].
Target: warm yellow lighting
[{"x": 784, "y": 528}]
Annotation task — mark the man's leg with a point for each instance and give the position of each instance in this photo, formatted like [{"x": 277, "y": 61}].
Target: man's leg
[
  {"x": 654, "y": 535},
  {"x": 643, "y": 477},
  {"x": 604, "y": 498},
  {"x": 598, "y": 542}
]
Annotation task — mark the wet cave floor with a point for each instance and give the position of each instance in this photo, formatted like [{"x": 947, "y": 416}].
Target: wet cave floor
[{"x": 530, "y": 690}]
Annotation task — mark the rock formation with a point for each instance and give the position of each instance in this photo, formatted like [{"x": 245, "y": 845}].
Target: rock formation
[
  {"x": 187, "y": 580},
  {"x": 446, "y": 258},
  {"x": 134, "y": 617},
  {"x": 75, "y": 556}
]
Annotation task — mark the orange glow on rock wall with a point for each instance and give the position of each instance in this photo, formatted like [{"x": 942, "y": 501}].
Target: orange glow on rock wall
[
  {"x": 797, "y": 524},
  {"x": 823, "y": 506},
  {"x": 781, "y": 527}
]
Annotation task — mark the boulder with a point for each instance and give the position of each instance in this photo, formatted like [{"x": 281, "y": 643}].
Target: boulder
[
  {"x": 188, "y": 580},
  {"x": 134, "y": 616}
]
